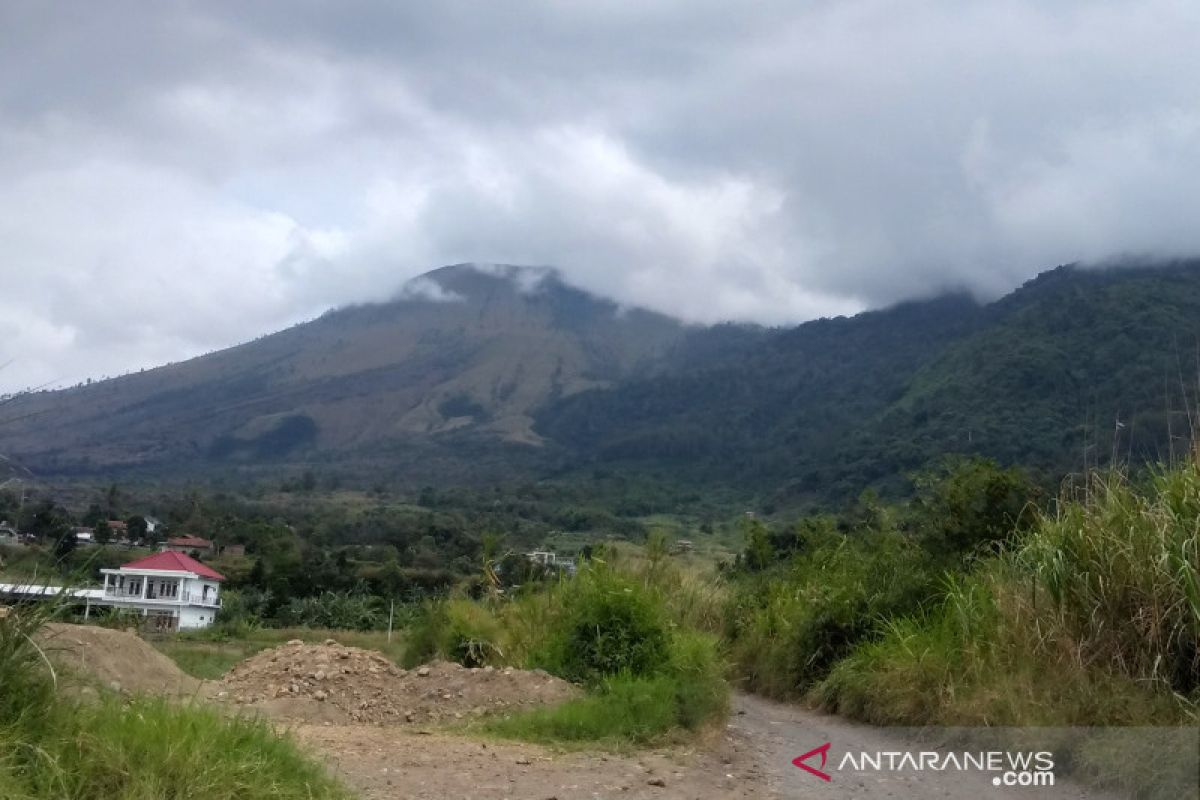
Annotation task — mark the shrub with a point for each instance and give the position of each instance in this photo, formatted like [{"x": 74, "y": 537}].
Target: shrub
[
  {"x": 609, "y": 625},
  {"x": 458, "y": 630},
  {"x": 1120, "y": 576},
  {"x": 789, "y": 627}
]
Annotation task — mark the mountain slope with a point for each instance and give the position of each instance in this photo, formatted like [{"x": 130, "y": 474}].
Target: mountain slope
[
  {"x": 476, "y": 375},
  {"x": 833, "y": 406},
  {"x": 463, "y": 349}
]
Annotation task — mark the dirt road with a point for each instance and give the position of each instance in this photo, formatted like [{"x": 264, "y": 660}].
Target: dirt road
[
  {"x": 750, "y": 759},
  {"x": 776, "y": 733}
]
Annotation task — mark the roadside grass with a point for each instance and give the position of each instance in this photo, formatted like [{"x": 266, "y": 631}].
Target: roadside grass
[
  {"x": 209, "y": 654},
  {"x": 1093, "y": 618},
  {"x": 56, "y": 747},
  {"x": 624, "y": 712},
  {"x": 649, "y": 677}
]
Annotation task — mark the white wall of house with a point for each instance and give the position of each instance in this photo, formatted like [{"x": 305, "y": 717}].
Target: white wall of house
[
  {"x": 192, "y": 617},
  {"x": 191, "y": 599}
]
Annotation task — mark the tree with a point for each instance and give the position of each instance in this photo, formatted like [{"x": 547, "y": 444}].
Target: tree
[
  {"x": 103, "y": 532},
  {"x": 112, "y": 501},
  {"x": 759, "y": 552},
  {"x": 970, "y": 504},
  {"x": 258, "y": 575},
  {"x": 137, "y": 527},
  {"x": 64, "y": 546}
]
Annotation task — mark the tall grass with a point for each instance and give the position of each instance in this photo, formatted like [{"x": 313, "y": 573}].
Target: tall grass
[
  {"x": 1091, "y": 619},
  {"x": 788, "y": 627},
  {"x": 1118, "y": 576},
  {"x": 53, "y": 746}
]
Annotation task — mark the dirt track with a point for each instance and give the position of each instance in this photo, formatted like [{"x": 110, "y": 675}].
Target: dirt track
[{"x": 751, "y": 758}]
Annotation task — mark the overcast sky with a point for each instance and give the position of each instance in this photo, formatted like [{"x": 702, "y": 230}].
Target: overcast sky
[{"x": 179, "y": 176}]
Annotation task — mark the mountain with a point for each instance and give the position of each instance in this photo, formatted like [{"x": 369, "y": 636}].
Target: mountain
[
  {"x": 481, "y": 374},
  {"x": 1077, "y": 363},
  {"x": 463, "y": 353}
]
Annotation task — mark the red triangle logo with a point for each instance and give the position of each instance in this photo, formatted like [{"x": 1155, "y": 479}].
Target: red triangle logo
[{"x": 823, "y": 751}]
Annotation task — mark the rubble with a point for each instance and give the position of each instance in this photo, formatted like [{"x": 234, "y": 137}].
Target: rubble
[{"x": 333, "y": 683}]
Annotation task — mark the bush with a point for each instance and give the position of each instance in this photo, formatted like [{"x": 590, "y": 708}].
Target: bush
[
  {"x": 332, "y": 610},
  {"x": 1120, "y": 574},
  {"x": 789, "y": 627},
  {"x": 603, "y": 628},
  {"x": 609, "y": 625},
  {"x": 458, "y": 630},
  {"x": 630, "y": 709}
]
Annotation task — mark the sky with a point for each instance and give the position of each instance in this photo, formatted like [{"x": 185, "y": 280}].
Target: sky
[{"x": 176, "y": 177}]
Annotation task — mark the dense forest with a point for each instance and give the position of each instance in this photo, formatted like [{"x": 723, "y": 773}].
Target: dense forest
[{"x": 1077, "y": 368}]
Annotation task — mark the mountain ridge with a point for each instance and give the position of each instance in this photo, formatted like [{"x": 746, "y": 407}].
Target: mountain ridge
[{"x": 477, "y": 374}]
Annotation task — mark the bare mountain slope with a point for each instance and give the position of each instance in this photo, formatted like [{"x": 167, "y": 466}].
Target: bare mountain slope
[{"x": 465, "y": 349}]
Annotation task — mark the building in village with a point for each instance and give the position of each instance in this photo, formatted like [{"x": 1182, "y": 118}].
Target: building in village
[
  {"x": 189, "y": 544},
  {"x": 172, "y": 591}
]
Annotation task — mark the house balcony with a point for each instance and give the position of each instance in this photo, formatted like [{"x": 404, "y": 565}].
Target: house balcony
[{"x": 186, "y": 598}]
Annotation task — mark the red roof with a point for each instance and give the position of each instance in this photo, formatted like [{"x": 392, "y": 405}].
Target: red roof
[{"x": 171, "y": 561}]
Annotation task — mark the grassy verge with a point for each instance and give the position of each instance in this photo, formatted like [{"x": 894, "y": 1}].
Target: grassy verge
[
  {"x": 1086, "y": 617},
  {"x": 622, "y": 712},
  {"x": 1093, "y": 618},
  {"x": 54, "y": 747},
  {"x": 649, "y": 678}
]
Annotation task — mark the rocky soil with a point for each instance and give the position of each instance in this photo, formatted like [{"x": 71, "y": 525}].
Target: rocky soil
[{"x": 347, "y": 685}]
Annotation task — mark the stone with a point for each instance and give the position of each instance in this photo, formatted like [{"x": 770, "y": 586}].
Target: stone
[{"x": 423, "y": 672}]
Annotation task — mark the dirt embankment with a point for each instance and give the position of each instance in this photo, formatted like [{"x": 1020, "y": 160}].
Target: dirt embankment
[
  {"x": 333, "y": 683},
  {"x": 117, "y": 660}
]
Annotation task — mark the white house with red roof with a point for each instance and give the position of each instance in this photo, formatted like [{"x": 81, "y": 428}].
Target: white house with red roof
[{"x": 174, "y": 589}]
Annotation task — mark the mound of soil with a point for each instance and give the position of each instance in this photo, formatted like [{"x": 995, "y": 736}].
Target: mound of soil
[
  {"x": 331, "y": 683},
  {"x": 117, "y": 660}
]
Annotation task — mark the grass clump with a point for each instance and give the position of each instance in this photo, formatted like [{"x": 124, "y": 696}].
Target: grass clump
[
  {"x": 623, "y": 710},
  {"x": 55, "y": 747},
  {"x": 613, "y": 631}
]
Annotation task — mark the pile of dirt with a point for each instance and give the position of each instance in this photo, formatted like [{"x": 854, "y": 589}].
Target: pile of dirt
[
  {"x": 331, "y": 683},
  {"x": 117, "y": 660}
]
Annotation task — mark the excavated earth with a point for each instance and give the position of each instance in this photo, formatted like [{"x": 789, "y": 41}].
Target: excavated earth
[
  {"x": 117, "y": 660},
  {"x": 347, "y": 685}
]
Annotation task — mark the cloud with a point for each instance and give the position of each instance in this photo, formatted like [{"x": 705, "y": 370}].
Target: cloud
[{"x": 178, "y": 177}]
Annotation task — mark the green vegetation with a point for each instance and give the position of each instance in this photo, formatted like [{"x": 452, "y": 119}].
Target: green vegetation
[
  {"x": 58, "y": 748},
  {"x": 1092, "y": 618},
  {"x": 616, "y": 630},
  {"x": 811, "y": 416},
  {"x": 972, "y": 606}
]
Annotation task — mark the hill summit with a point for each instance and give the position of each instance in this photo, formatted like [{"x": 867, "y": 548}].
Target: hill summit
[{"x": 465, "y": 348}]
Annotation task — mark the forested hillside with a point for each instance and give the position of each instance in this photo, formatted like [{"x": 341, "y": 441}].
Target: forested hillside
[{"x": 1075, "y": 364}]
